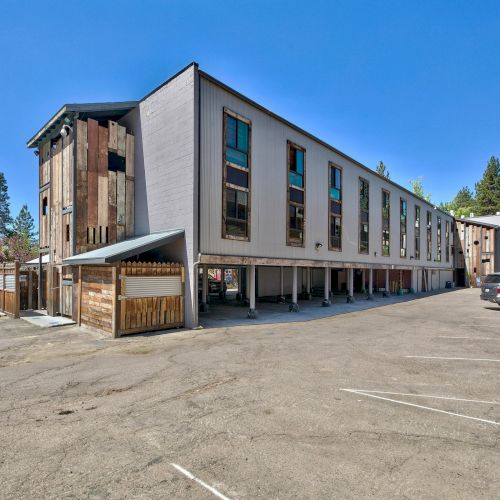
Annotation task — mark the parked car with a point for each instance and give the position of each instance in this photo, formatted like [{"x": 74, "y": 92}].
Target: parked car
[{"x": 490, "y": 289}]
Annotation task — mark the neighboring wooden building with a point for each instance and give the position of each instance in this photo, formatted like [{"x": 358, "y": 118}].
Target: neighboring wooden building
[
  {"x": 246, "y": 188},
  {"x": 477, "y": 244}
]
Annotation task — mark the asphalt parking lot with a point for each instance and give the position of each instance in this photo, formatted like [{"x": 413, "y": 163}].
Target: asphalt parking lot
[{"x": 401, "y": 401}]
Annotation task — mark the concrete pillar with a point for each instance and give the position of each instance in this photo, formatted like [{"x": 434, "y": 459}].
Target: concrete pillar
[
  {"x": 222, "y": 294},
  {"x": 308, "y": 283},
  {"x": 294, "y": 306},
  {"x": 204, "y": 289},
  {"x": 281, "y": 298},
  {"x": 326, "y": 299},
  {"x": 350, "y": 285},
  {"x": 387, "y": 292},
  {"x": 370, "y": 284},
  {"x": 252, "y": 313},
  {"x": 414, "y": 280},
  {"x": 363, "y": 280}
]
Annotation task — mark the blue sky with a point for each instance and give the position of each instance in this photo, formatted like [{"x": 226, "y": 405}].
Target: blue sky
[{"x": 415, "y": 84}]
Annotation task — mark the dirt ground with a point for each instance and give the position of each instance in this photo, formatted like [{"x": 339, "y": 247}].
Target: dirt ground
[{"x": 400, "y": 401}]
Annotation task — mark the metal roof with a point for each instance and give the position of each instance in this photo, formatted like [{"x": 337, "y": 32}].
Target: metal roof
[
  {"x": 125, "y": 249},
  {"x": 36, "y": 260},
  {"x": 487, "y": 220},
  {"x": 110, "y": 110}
]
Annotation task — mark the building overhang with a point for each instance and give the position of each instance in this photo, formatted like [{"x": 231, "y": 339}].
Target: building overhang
[
  {"x": 67, "y": 114},
  {"x": 125, "y": 249}
]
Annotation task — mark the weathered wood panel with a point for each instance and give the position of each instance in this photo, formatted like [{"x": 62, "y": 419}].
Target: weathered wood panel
[
  {"x": 113, "y": 136},
  {"x": 96, "y": 300},
  {"x": 10, "y": 295},
  {"x": 121, "y": 138},
  {"x": 129, "y": 208},
  {"x": 102, "y": 214},
  {"x": 130, "y": 156},
  {"x": 81, "y": 186},
  {"x": 44, "y": 217},
  {"x": 92, "y": 178},
  {"x": 120, "y": 206},
  {"x": 112, "y": 206}
]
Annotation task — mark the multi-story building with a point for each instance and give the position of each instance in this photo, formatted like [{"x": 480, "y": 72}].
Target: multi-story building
[
  {"x": 478, "y": 248},
  {"x": 224, "y": 182}
]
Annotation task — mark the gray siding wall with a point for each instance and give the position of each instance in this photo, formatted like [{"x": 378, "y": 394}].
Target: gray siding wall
[
  {"x": 166, "y": 196},
  {"x": 269, "y": 192}
]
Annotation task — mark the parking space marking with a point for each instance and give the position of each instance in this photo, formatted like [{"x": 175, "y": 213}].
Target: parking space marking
[
  {"x": 467, "y": 338},
  {"x": 455, "y": 359},
  {"x": 200, "y": 482},
  {"x": 437, "y": 410},
  {"x": 429, "y": 396}
]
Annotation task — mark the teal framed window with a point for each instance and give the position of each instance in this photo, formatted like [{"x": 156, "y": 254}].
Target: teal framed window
[
  {"x": 417, "y": 232},
  {"x": 335, "y": 208},
  {"x": 296, "y": 184},
  {"x": 403, "y": 216},
  {"x": 364, "y": 216},
  {"x": 236, "y": 176},
  {"x": 386, "y": 223}
]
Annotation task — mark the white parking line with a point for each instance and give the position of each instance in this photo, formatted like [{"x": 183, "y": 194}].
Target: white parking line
[
  {"x": 429, "y": 396},
  {"x": 467, "y": 338},
  {"x": 455, "y": 359},
  {"x": 360, "y": 393},
  {"x": 200, "y": 482}
]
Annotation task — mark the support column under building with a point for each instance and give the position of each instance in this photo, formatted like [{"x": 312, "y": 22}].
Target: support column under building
[
  {"x": 308, "y": 283},
  {"x": 350, "y": 285},
  {"x": 363, "y": 280},
  {"x": 326, "y": 299},
  {"x": 370, "y": 284},
  {"x": 414, "y": 281},
  {"x": 252, "y": 312},
  {"x": 204, "y": 289},
  {"x": 387, "y": 292},
  {"x": 294, "y": 306},
  {"x": 281, "y": 298}
]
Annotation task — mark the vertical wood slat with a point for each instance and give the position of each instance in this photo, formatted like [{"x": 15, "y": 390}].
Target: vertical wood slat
[
  {"x": 113, "y": 136},
  {"x": 120, "y": 206},
  {"x": 112, "y": 206},
  {"x": 102, "y": 211},
  {"x": 92, "y": 176},
  {"x": 121, "y": 140},
  {"x": 81, "y": 186}
]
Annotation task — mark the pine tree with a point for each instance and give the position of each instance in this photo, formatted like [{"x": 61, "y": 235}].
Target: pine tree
[
  {"x": 24, "y": 225},
  {"x": 382, "y": 170},
  {"x": 418, "y": 188},
  {"x": 5, "y": 217},
  {"x": 488, "y": 189}
]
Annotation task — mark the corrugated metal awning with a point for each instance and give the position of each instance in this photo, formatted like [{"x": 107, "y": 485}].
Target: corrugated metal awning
[{"x": 125, "y": 249}]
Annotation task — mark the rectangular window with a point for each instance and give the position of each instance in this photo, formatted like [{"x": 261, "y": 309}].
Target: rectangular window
[
  {"x": 417, "y": 232},
  {"x": 335, "y": 204},
  {"x": 296, "y": 183},
  {"x": 67, "y": 233},
  {"x": 439, "y": 238},
  {"x": 429, "y": 235},
  {"x": 386, "y": 223},
  {"x": 364, "y": 216},
  {"x": 403, "y": 219},
  {"x": 45, "y": 206},
  {"x": 447, "y": 241},
  {"x": 237, "y": 167}
]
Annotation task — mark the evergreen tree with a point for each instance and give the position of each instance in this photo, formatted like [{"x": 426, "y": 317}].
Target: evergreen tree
[
  {"x": 5, "y": 218},
  {"x": 24, "y": 225},
  {"x": 382, "y": 170},
  {"x": 488, "y": 189},
  {"x": 418, "y": 188}
]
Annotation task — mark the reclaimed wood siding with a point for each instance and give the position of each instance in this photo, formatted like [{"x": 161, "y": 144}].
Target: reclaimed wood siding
[
  {"x": 150, "y": 313},
  {"x": 96, "y": 301},
  {"x": 10, "y": 293}
]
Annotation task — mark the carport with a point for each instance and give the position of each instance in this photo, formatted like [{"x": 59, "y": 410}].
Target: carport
[{"x": 130, "y": 287}]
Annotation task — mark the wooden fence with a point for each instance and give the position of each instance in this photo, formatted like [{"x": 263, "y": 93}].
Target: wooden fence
[
  {"x": 151, "y": 297},
  {"x": 10, "y": 289},
  {"x": 131, "y": 297}
]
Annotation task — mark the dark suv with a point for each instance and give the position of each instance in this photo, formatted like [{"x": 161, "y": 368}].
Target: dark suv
[{"x": 490, "y": 289}]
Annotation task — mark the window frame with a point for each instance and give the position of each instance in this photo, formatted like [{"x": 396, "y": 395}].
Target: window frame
[
  {"x": 417, "y": 229},
  {"x": 401, "y": 233},
  {"x": 332, "y": 165},
  {"x": 360, "y": 211},
  {"x": 289, "y": 241},
  {"x": 447, "y": 240},
  {"x": 385, "y": 191},
  {"x": 227, "y": 185},
  {"x": 428, "y": 226},
  {"x": 439, "y": 238}
]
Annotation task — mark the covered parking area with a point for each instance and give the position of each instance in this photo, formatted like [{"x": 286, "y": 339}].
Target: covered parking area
[{"x": 232, "y": 288}]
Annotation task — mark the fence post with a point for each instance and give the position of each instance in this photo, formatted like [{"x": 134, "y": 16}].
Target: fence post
[
  {"x": 115, "y": 272},
  {"x": 17, "y": 307}
]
